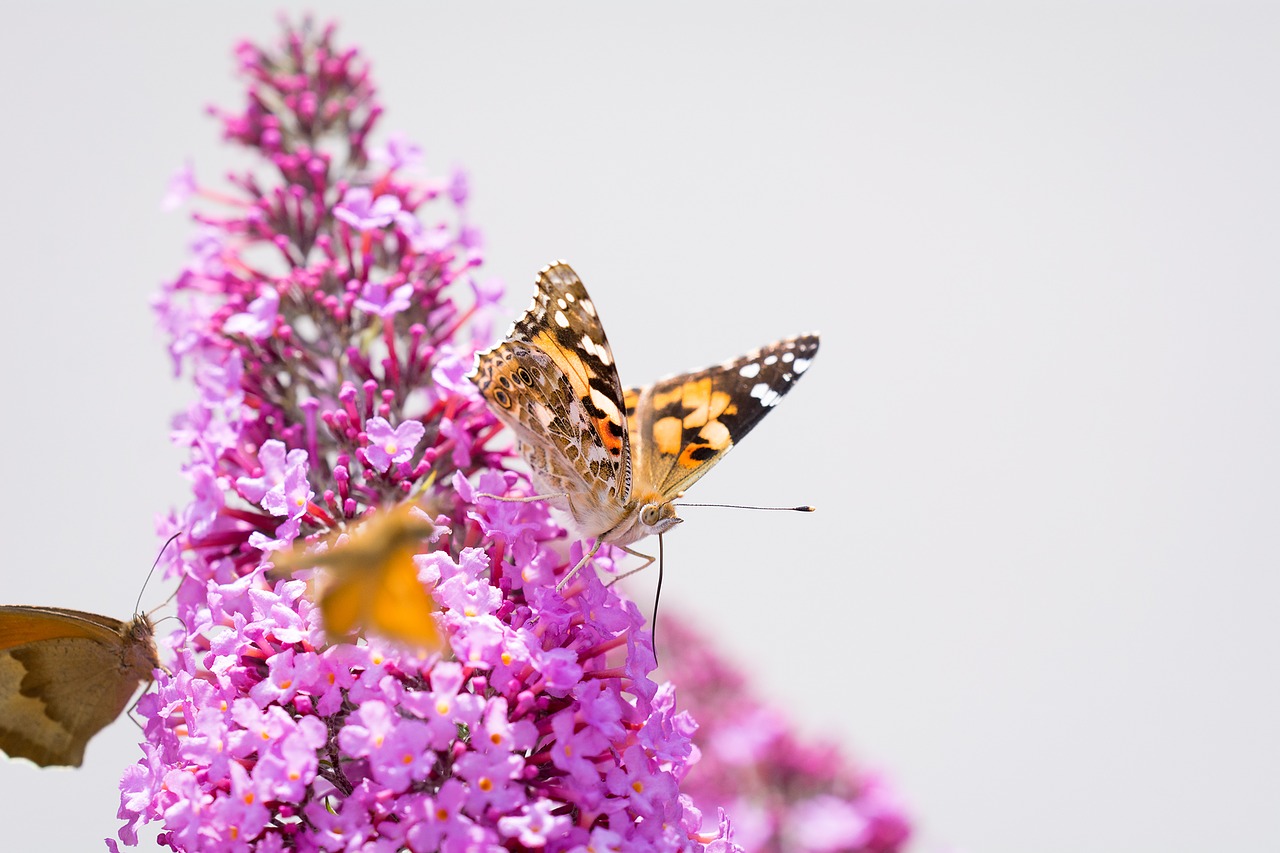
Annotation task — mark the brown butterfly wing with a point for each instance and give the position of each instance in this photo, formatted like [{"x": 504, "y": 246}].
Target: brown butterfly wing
[
  {"x": 64, "y": 675},
  {"x": 554, "y": 383}
]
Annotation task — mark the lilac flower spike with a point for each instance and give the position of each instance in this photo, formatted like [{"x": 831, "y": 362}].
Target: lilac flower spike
[
  {"x": 786, "y": 794},
  {"x": 258, "y": 320},
  {"x": 399, "y": 153},
  {"x": 538, "y": 726},
  {"x": 389, "y": 446},
  {"x": 363, "y": 212},
  {"x": 374, "y": 299},
  {"x": 181, "y": 187}
]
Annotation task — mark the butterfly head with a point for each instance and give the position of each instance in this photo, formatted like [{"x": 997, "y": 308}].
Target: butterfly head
[
  {"x": 139, "y": 648},
  {"x": 657, "y": 517}
]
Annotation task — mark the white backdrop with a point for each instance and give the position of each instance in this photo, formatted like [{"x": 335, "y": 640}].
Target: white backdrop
[{"x": 1040, "y": 242}]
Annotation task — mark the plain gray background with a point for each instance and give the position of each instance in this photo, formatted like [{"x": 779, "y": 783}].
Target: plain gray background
[{"x": 1040, "y": 243}]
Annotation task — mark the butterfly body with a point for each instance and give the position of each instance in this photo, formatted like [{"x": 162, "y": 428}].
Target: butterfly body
[
  {"x": 64, "y": 675},
  {"x": 616, "y": 459}
]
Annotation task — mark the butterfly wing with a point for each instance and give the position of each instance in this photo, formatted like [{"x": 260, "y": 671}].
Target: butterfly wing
[
  {"x": 21, "y": 625},
  {"x": 683, "y": 425},
  {"x": 554, "y": 383},
  {"x": 386, "y": 597},
  {"x": 371, "y": 581},
  {"x": 64, "y": 675}
]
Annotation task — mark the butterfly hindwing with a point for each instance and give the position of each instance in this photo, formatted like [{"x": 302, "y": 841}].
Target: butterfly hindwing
[
  {"x": 559, "y": 438},
  {"x": 683, "y": 425}
]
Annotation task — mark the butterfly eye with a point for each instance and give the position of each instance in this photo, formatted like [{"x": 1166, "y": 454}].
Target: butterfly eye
[
  {"x": 649, "y": 515},
  {"x": 500, "y": 397}
]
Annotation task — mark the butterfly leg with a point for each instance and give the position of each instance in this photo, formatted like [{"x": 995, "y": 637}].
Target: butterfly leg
[
  {"x": 648, "y": 561},
  {"x": 512, "y": 500},
  {"x": 138, "y": 699},
  {"x": 585, "y": 557}
]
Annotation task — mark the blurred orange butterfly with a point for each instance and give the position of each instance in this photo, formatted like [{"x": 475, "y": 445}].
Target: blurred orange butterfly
[
  {"x": 370, "y": 581},
  {"x": 64, "y": 675}
]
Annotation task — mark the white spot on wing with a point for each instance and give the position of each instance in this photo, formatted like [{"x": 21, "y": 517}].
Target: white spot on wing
[
  {"x": 788, "y": 356},
  {"x": 750, "y": 370},
  {"x": 773, "y": 359},
  {"x": 802, "y": 364},
  {"x": 599, "y": 350},
  {"x": 606, "y": 405},
  {"x": 766, "y": 395},
  {"x": 588, "y": 307},
  {"x": 561, "y": 320}
]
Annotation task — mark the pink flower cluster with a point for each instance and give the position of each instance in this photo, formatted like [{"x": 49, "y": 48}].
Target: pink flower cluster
[
  {"x": 322, "y": 317},
  {"x": 786, "y": 795}
]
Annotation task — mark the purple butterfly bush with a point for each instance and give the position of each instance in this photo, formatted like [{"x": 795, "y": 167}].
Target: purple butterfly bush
[
  {"x": 329, "y": 315},
  {"x": 785, "y": 794}
]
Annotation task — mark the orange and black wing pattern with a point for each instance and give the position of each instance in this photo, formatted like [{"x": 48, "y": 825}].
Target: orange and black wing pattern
[{"x": 683, "y": 425}]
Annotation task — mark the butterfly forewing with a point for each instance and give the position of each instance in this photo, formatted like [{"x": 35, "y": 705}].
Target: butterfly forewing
[
  {"x": 20, "y": 625},
  {"x": 64, "y": 675},
  {"x": 563, "y": 323},
  {"x": 553, "y": 382},
  {"x": 683, "y": 425}
]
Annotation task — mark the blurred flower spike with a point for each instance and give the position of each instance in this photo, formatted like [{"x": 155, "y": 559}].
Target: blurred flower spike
[{"x": 328, "y": 315}]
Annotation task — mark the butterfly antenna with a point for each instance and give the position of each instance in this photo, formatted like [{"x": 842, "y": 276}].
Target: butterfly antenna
[
  {"x": 163, "y": 548},
  {"x": 769, "y": 508},
  {"x": 177, "y": 619},
  {"x": 653, "y": 625}
]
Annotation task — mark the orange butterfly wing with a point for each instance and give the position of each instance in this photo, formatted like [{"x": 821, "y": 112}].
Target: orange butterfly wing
[{"x": 371, "y": 583}]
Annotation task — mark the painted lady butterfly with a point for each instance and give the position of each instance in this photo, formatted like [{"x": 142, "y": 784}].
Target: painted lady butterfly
[{"x": 616, "y": 460}]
